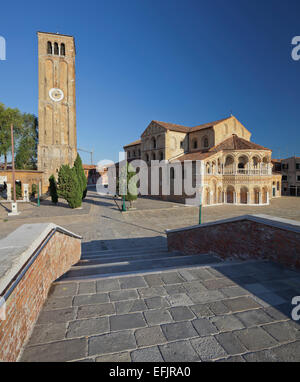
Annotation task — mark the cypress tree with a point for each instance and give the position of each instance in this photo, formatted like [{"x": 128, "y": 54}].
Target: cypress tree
[{"x": 80, "y": 175}]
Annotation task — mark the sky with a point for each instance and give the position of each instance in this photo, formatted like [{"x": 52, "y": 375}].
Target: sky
[{"x": 182, "y": 61}]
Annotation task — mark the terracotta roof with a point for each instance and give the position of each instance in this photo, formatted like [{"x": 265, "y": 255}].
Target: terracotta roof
[
  {"x": 88, "y": 166},
  {"x": 186, "y": 129},
  {"x": 138, "y": 142},
  {"x": 237, "y": 143},
  {"x": 232, "y": 143}
]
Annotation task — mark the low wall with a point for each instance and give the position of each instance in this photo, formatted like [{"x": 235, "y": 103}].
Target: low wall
[
  {"x": 31, "y": 258},
  {"x": 247, "y": 236}
]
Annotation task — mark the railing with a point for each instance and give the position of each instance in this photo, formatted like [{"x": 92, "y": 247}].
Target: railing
[{"x": 239, "y": 171}]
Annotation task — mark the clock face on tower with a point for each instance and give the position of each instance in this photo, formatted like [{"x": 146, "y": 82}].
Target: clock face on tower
[{"x": 56, "y": 94}]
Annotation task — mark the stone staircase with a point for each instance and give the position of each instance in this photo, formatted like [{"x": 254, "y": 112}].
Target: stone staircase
[{"x": 95, "y": 264}]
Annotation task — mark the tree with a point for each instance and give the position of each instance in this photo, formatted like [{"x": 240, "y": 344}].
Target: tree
[
  {"x": 68, "y": 186},
  {"x": 53, "y": 189},
  {"x": 9, "y": 117},
  {"x": 128, "y": 173},
  {"x": 80, "y": 175},
  {"x": 26, "y": 152}
]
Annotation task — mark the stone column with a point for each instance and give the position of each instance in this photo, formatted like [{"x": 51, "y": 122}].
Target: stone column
[
  {"x": 248, "y": 197},
  {"x": 8, "y": 191},
  {"x": 234, "y": 197},
  {"x": 223, "y": 197},
  {"x": 268, "y": 200},
  {"x": 259, "y": 198},
  {"x": 26, "y": 193}
]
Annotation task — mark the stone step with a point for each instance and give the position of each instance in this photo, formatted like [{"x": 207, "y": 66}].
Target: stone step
[
  {"x": 114, "y": 252},
  {"x": 98, "y": 271},
  {"x": 118, "y": 258}
]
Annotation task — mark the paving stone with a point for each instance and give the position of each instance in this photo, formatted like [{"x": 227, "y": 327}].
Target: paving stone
[
  {"x": 58, "y": 303},
  {"x": 181, "y": 313},
  {"x": 214, "y": 284},
  {"x": 254, "y": 317},
  {"x": 107, "y": 285},
  {"x": 179, "y": 331},
  {"x": 181, "y": 351},
  {"x": 117, "y": 357},
  {"x": 87, "y": 287},
  {"x": 218, "y": 307},
  {"x": 288, "y": 352},
  {"x": 235, "y": 358},
  {"x": 153, "y": 280},
  {"x": 157, "y": 317},
  {"x": 208, "y": 296},
  {"x": 255, "y": 338},
  {"x": 132, "y": 282},
  {"x": 90, "y": 299},
  {"x": 208, "y": 348},
  {"x": 172, "y": 278},
  {"x": 56, "y": 316},
  {"x": 234, "y": 291},
  {"x": 181, "y": 299},
  {"x": 149, "y": 336},
  {"x": 152, "y": 292},
  {"x": 174, "y": 289},
  {"x": 194, "y": 287},
  {"x": 61, "y": 290},
  {"x": 240, "y": 304},
  {"x": 47, "y": 333},
  {"x": 112, "y": 343},
  {"x": 283, "y": 331},
  {"x": 88, "y": 327},
  {"x": 230, "y": 343},
  {"x": 122, "y": 295},
  {"x": 157, "y": 302},
  {"x": 60, "y": 351},
  {"x": 214, "y": 272},
  {"x": 88, "y": 311},
  {"x": 187, "y": 275},
  {"x": 261, "y": 356},
  {"x": 227, "y": 323},
  {"x": 201, "y": 274},
  {"x": 204, "y": 327},
  {"x": 269, "y": 299},
  {"x": 127, "y": 321},
  {"x": 202, "y": 310},
  {"x": 146, "y": 355},
  {"x": 130, "y": 306}
]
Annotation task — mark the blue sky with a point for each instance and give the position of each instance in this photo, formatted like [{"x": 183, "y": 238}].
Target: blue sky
[{"x": 181, "y": 61}]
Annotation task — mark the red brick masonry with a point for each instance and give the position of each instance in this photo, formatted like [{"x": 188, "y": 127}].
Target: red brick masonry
[
  {"x": 244, "y": 237},
  {"x": 24, "y": 304}
]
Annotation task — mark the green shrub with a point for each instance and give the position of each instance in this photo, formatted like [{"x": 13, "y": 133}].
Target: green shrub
[
  {"x": 33, "y": 189},
  {"x": 128, "y": 173},
  {"x": 18, "y": 191},
  {"x": 68, "y": 186},
  {"x": 53, "y": 189},
  {"x": 80, "y": 175}
]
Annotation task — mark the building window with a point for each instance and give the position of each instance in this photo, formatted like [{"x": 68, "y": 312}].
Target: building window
[
  {"x": 161, "y": 156},
  {"x": 297, "y": 166},
  {"x": 172, "y": 173},
  {"x": 298, "y": 178},
  {"x": 195, "y": 144},
  {"x": 285, "y": 166},
  {"x": 62, "y": 49},
  {"x": 56, "y": 49},
  {"x": 128, "y": 153},
  {"x": 277, "y": 186},
  {"x": 205, "y": 142},
  {"x": 139, "y": 153},
  {"x": 49, "y": 47},
  {"x": 284, "y": 177},
  {"x": 181, "y": 144},
  {"x": 133, "y": 155}
]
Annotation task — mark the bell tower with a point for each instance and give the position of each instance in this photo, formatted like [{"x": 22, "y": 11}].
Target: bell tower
[{"x": 57, "y": 103}]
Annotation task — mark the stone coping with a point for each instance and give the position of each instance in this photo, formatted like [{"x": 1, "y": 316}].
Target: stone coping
[
  {"x": 17, "y": 248},
  {"x": 272, "y": 221}
]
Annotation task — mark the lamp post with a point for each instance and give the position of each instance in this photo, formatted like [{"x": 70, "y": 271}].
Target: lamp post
[
  {"x": 14, "y": 206},
  {"x": 200, "y": 208}
]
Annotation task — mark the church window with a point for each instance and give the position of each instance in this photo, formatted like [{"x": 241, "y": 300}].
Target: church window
[
  {"x": 195, "y": 144},
  {"x": 49, "y": 47},
  {"x": 205, "y": 142},
  {"x": 56, "y": 49},
  {"x": 62, "y": 50}
]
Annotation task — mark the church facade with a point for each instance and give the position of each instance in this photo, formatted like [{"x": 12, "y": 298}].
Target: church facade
[{"x": 236, "y": 170}]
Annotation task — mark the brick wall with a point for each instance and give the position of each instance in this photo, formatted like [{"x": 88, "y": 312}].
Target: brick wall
[
  {"x": 24, "y": 304},
  {"x": 244, "y": 237}
]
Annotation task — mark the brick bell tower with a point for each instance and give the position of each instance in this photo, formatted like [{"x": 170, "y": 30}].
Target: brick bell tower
[{"x": 57, "y": 104}]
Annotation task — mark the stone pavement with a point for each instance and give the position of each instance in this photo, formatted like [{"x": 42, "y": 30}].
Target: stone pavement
[{"x": 226, "y": 312}]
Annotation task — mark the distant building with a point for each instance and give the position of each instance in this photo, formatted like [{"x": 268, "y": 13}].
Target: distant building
[{"x": 290, "y": 170}]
